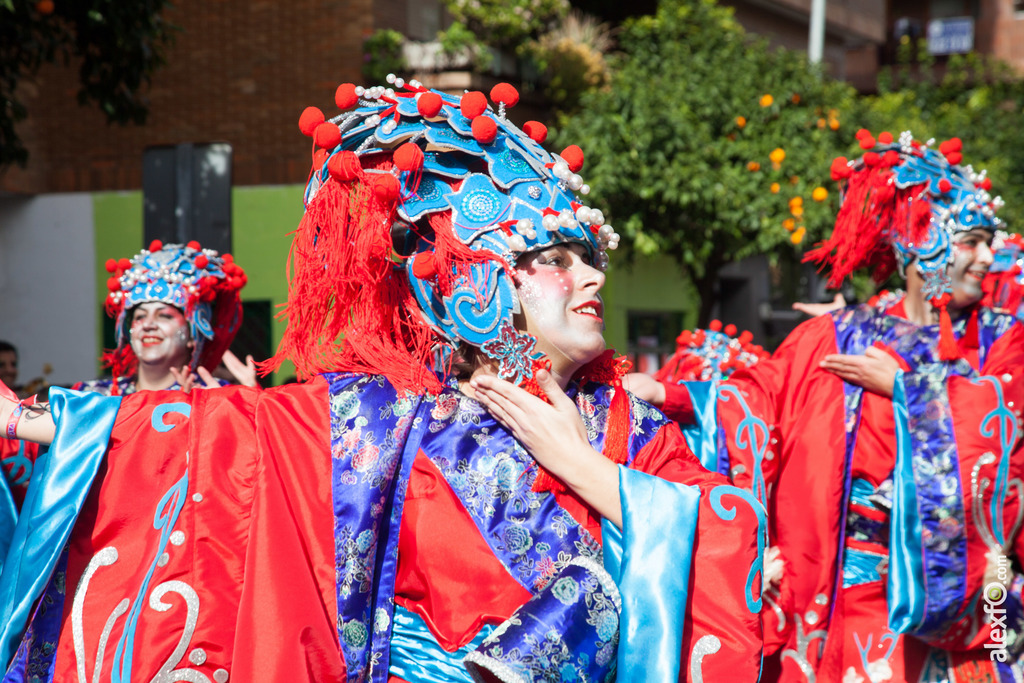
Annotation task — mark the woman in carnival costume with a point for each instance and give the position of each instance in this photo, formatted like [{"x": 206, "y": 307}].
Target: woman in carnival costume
[
  {"x": 177, "y": 310},
  {"x": 884, "y": 440},
  {"x": 462, "y": 492}
]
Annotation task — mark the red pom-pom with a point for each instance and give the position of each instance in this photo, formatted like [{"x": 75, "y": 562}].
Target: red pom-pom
[
  {"x": 841, "y": 168},
  {"x": 698, "y": 337},
  {"x": 227, "y": 258},
  {"x": 951, "y": 145},
  {"x": 344, "y": 166},
  {"x": 345, "y": 96},
  {"x": 156, "y": 245},
  {"x": 484, "y": 129},
  {"x": 537, "y": 131},
  {"x": 506, "y": 94},
  {"x": 111, "y": 265},
  {"x": 863, "y": 132},
  {"x": 867, "y": 142},
  {"x": 954, "y": 158},
  {"x": 424, "y": 266},
  {"x": 684, "y": 338},
  {"x": 408, "y": 157},
  {"x": 715, "y": 326},
  {"x": 730, "y": 330},
  {"x": 746, "y": 337},
  {"x": 429, "y": 104},
  {"x": 385, "y": 187},
  {"x": 573, "y": 156},
  {"x": 986, "y": 184},
  {"x": 885, "y": 138},
  {"x": 319, "y": 157},
  {"x": 202, "y": 261},
  {"x": 872, "y": 159},
  {"x": 891, "y": 158},
  {"x": 945, "y": 186},
  {"x": 113, "y": 284},
  {"x": 473, "y": 104},
  {"x": 194, "y": 245},
  {"x": 311, "y": 118},
  {"x": 327, "y": 135},
  {"x": 124, "y": 264}
]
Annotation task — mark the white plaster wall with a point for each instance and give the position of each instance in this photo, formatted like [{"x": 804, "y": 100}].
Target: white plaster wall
[{"x": 48, "y": 285}]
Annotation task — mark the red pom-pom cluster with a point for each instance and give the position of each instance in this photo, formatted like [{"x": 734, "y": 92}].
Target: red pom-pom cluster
[
  {"x": 841, "y": 168},
  {"x": 865, "y": 139},
  {"x": 309, "y": 120},
  {"x": 951, "y": 149}
]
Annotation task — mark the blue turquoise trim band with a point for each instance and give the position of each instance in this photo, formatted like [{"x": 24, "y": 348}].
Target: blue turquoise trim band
[{"x": 702, "y": 436}]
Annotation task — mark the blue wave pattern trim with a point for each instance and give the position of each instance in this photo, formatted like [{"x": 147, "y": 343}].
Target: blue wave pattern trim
[
  {"x": 928, "y": 525},
  {"x": 376, "y": 435}
]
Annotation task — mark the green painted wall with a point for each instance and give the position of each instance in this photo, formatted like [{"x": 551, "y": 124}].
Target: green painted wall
[
  {"x": 647, "y": 285},
  {"x": 262, "y": 220},
  {"x": 264, "y": 217},
  {"x": 117, "y": 226}
]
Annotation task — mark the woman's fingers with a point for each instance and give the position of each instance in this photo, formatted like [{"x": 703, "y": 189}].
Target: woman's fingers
[{"x": 209, "y": 381}]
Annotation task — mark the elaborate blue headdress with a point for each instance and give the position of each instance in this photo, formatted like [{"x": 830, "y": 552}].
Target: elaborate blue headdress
[
  {"x": 199, "y": 282},
  {"x": 418, "y": 206},
  {"x": 902, "y": 203}
]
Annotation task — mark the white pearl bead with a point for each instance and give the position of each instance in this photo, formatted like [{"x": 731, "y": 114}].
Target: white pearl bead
[
  {"x": 583, "y": 214},
  {"x": 399, "y": 82},
  {"x": 575, "y": 182},
  {"x": 550, "y": 223},
  {"x": 390, "y": 78},
  {"x": 530, "y": 234},
  {"x": 524, "y": 224},
  {"x": 596, "y": 217},
  {"x": 561, "y": 170},
  {"x": 516, "y": 243},
  {"x": 605, "y": 232},
  {"x": 585, "y": 189}
]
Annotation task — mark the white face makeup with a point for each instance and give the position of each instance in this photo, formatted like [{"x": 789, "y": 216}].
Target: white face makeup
[
  {"x": 558, "y": 288},
  {"x": 972, "y": 257},
  {"x": 159, "y": 334}
]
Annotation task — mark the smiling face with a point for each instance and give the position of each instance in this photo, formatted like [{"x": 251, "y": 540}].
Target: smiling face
[
  {"x": 972, "y": 257},
  {"x": 558, "y": 288},
  {"x": 159, "y": 335}
]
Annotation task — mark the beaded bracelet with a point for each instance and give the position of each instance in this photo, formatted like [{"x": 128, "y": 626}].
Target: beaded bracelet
[{"x": 12, "y": 421}]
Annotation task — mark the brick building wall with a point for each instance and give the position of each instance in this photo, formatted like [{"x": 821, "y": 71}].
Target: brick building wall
[{"x": 238, "y": 71}]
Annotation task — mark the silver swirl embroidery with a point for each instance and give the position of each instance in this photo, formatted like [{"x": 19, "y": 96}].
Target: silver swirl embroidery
[
  {"x": 707, "y": 645},
  {"x": 779, "y": 614},
  {"x": 167, "y": 673},
  {"x": 799, "y": 655},
  {"x": 104, "y": 558}
]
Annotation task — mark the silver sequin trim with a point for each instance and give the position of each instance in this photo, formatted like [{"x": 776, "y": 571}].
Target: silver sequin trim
[
  {"x": 503, "y": 672},
  {"x": 197, "y": 656},
  {"x": 707, "y": 645},
  {"x": 178, "y": 537},
  {"x": 163, "y": 559},
  {"x": 534, "y": 192},
  {"x": 104, "y": 558},
  {"x": 221, "y": 675},
  {"x": 602, "y": 576},
  {"x": 197, "y": 497}
]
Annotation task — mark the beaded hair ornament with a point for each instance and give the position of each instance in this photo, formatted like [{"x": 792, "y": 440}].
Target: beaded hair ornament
[
  {"x": 902, "y": 203},
  {"x": 418, "y": 205},
  {"x": 199, "y": 282},
  {"x": 711, "y": 354}
]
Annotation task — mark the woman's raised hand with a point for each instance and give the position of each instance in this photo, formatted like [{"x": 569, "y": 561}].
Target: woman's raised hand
[{"x": 556, "y": 438}]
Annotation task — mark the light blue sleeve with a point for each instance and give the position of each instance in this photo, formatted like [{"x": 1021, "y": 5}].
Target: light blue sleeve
[
  {"x": 650, "y": 560},
  {"x": 61, "y": 480}
]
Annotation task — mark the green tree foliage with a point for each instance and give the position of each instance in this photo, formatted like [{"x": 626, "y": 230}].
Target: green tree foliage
[
  {"x": 708, "y": 145},
  {"x": 382, "y": 55},
  {"x": 118, "y": 45},
  {"x": 977, "y": 99}
]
